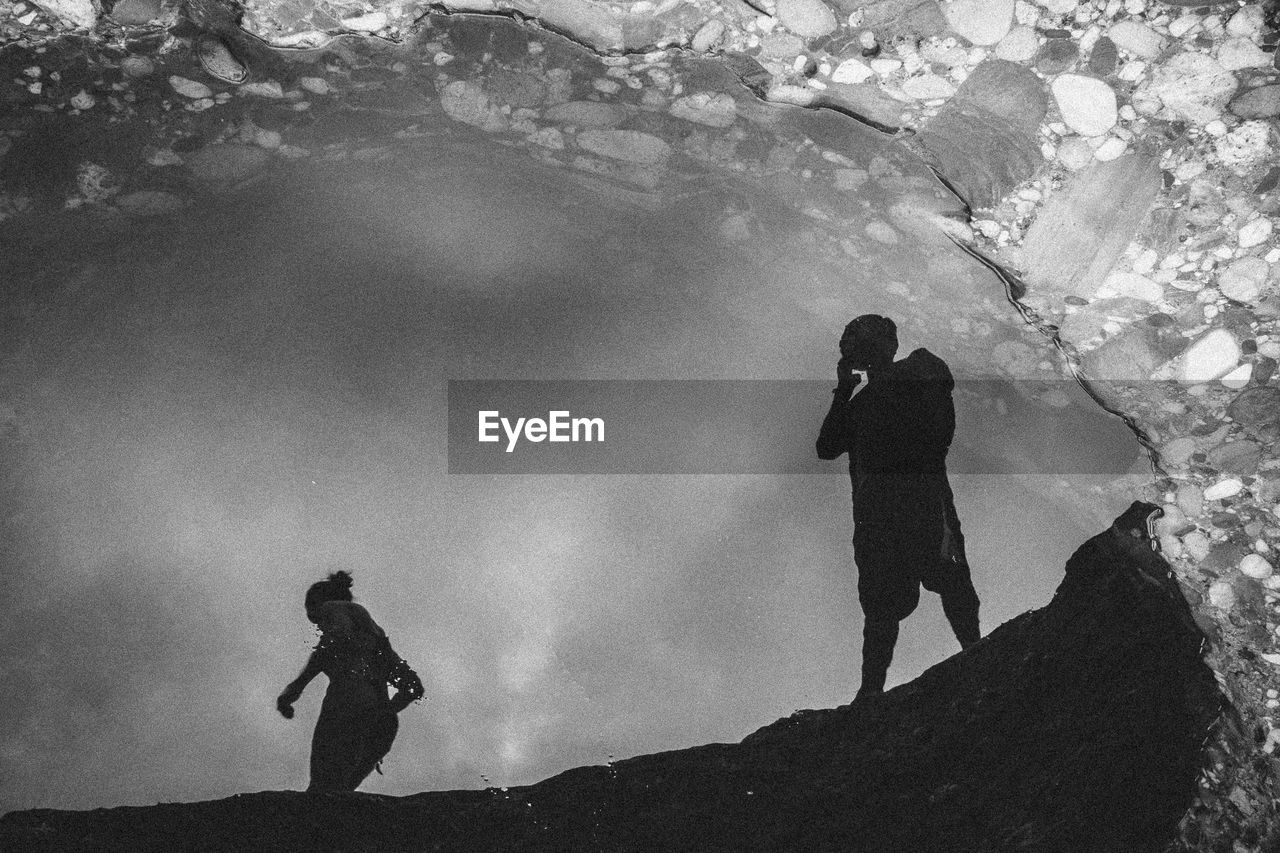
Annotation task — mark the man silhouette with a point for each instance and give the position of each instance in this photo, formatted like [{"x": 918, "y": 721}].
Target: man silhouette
[{"x": 897, "y": 427}]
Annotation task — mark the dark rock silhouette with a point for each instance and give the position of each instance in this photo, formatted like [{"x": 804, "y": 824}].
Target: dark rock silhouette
[{"x": 1075, "y": 727}]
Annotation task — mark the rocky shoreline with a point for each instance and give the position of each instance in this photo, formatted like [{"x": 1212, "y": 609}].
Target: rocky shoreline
[{"x": 1115, "y": 160}]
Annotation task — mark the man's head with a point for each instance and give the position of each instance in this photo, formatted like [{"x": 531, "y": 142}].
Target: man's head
[{"x": 869, "y": 341}]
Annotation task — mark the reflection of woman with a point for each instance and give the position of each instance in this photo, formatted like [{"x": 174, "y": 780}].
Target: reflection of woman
[{"x": 357, "y": 720}]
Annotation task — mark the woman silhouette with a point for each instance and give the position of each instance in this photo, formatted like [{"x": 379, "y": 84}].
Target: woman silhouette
[{"x": 357, "y": 721}]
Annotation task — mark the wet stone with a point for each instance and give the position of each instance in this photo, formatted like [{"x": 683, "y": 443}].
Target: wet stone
[
  {"x": 1242, "y": 280},
  {"x": 515, "y": 89},
  {"x": 1213, "y": 355},
  {"x": 1256, "y": 407},
  {"x": 135, "y": 12},
  {"x": 189, "y": 88},
  {"x": 987, "y": 137},
  {"x": 1190, "y": 497},
  {"x": 714, "y": 109},
  {"x": 806, "y": 18},
  {"x": 1193, "y": 86},
  {"x": 1256, "y": 566},
  {"x": 467, "y": 102},
  {"x": 1019, "y": 45},
  {"x": 982, "y": 22},
  {"x": 628, "y": 145},
  {"x": 1240, "y": 53},
  {"x": 1225, "y": 520},
  {"x": 1262, "y": 102},
  {"x": 1136, "y": 38},
  {"x": 1126, "y": 356},
  {"x": 1240, "y": 458},
  {"x": 1081, "y": 232},
  {"x": 1103, "y": 58},
  {"x": 1056, "y": 56},
  {"x": 1088, "y": 105}
]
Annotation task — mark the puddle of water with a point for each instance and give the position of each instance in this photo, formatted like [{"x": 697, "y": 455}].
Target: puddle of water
[{"x": 238, "y": 397}]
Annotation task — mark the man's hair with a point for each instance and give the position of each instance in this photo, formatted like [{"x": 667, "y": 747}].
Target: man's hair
[
  {"x": 336, "y": 588},
  {"x": 874, "y": 327}
]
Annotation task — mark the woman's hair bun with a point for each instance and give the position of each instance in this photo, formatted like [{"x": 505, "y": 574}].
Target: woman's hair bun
[{"x": 341, "y": 578}]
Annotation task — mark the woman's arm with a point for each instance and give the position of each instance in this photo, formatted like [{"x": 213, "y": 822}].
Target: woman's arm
[{"x": 284, "y": 702}]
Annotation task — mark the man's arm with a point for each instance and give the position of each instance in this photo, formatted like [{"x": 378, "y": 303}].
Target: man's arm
[
  {"x": 837, "y": 433},
  {"x": 284, "y": 702}
]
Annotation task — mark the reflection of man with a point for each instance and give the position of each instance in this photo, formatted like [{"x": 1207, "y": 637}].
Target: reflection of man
[{"x": 897, "y": 428}]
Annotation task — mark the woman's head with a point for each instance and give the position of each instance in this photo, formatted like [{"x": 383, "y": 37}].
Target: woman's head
[{"x": 337, "y": 587}]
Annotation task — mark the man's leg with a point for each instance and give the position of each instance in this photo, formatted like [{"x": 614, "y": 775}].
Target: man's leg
[{"x": 879, "y": 636}]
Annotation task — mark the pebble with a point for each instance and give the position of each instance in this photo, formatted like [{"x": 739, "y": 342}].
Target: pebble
[
  {"x": 1019, "y": 45},
  {"x": 1255, "y": 232},
  {"x": 982, "y": 22},
  {"x": 315, "y": 85},
  {"x": 189, "y": 88},
  {"x": 928, "y": 87},
  {"x": 1242, "y": 280},
  {"x": 1239, "y": 458},
  {"x": 1056, "y": 56},
  {"x": 1256, "y": 407},
  {"x": 466, "y": 102},
  {"x": 1221, "y": 595},
  {"x": 1104, "y": 57},
  {"x": 1256, "y": 566},
  {"x": 135, "y": 12},
  {"x": 369, "y": 23},
  {"x": 81, "y": 14},
  {"x": 1238, "y": 378},
  {"x": 1183, "y": 24},
  {"x": 1136, "y": 38},
  {"x": 1197, "y": 545},
  {"x": 216, "y": 58},
  {"x": 1111, "y": 149},
  {"x": 1239, "y": 53},
  {"x": 1088, "y": 105},
  {"x": 806, "y": 18},
  {"x": 1135, "y": 286},
  {"x": 882, "y": 232},
  {"x": 852, "y": 71},
  {"x": 708, "y": 36},
  {"x": 1262, "y": 102},
  {"x": 632, "y": 146},
  {"x": 1075, "y": 153},
  {"x": 714, "y": 109},
  {"x": 1210, "y": 357},
  {"x": 1191, "y": 500},
  {"x": 1223, "y": 489},
  {"x": 1177, "y": 452},
  {"x": 1247, "y": 23},
  {"x": 137, "y": 66},
  {"x": 263, "y": 89},
  {"x": 1193, "y": 86},
  {"x": 83, "y": 100}
]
